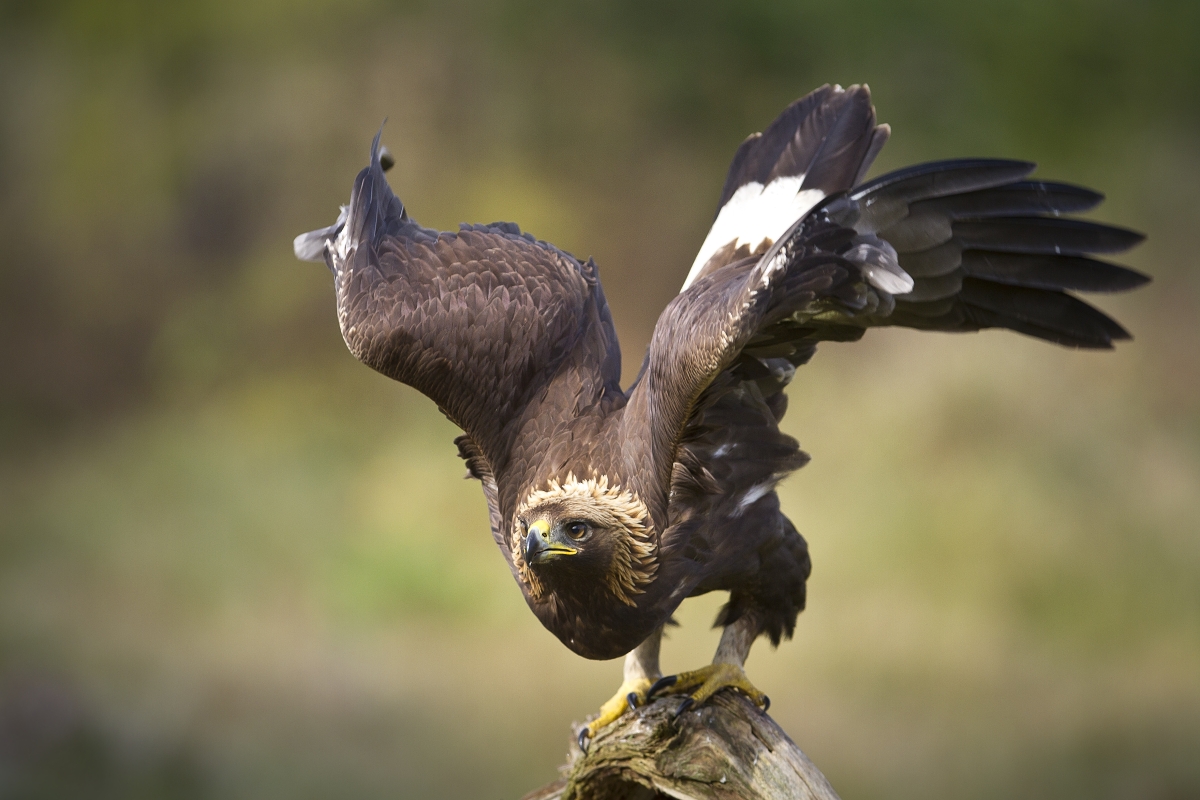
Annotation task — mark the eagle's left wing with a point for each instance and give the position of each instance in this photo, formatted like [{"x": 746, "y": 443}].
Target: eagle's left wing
[{"x": 480, "y": 320}]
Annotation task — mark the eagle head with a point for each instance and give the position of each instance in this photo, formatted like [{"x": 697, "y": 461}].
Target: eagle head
[{"x": 578, "y": 536}]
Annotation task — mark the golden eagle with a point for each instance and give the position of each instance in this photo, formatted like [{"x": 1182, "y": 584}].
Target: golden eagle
[{"x": 612, "y": 505}]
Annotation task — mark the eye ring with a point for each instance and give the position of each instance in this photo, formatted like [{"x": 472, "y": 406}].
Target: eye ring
[{"x": 577, "y": 530}]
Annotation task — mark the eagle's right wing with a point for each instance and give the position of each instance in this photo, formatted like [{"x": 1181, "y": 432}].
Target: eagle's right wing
[
  {"x": 479, "y": 320},
  {"x": 952, "y": 246}
]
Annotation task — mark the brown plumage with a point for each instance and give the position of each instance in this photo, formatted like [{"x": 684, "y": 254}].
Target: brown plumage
[{"x": 612, "y": 505}]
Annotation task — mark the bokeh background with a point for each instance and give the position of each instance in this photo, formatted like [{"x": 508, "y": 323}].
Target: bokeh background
[{"x": 235, "y": 563}]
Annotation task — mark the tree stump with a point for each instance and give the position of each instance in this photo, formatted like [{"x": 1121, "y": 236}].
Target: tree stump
[{"x": 723, "y": 750}]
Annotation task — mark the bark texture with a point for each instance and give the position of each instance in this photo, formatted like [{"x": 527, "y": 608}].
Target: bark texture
[{"x": 723, "y": 750}]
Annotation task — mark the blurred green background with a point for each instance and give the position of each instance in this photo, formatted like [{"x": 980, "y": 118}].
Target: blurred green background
[{"x": 235, "y": 563}]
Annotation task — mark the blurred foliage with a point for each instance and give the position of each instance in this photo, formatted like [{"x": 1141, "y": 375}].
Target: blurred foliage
[{"x": 235, "y": 563}]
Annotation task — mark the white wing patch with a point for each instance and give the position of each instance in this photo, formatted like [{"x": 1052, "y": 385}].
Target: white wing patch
[
  {"x": 752, "y": 496},
  {"x": 756, "y": 212}
]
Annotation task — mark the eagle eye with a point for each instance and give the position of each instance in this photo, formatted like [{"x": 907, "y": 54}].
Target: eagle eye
[{"x": 577, "y": 530}]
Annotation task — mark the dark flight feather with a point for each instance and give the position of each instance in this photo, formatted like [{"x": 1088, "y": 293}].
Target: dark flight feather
[
  {"x": 1050, "y": 272},
  {"x": 1043, "y": 235},
  {"x": 821, "y": 144},
  {"x": 1022, "y": 198}
]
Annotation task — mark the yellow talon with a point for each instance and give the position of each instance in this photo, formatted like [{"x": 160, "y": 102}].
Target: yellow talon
[
  {"x": 703, "y": 683},
  {"x": 614, "y": 707}
]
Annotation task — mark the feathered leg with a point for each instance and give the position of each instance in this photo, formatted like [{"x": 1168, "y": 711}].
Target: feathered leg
[
  {"x": 641, "y": 670},
  {"x": 726, "y": 670}
]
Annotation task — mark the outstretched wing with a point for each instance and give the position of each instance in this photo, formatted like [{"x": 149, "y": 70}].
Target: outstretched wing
[
  {"x": 479, "y": 320},
  {"x": 987, "y": 249},
  {"x": 952, "y": 246}
]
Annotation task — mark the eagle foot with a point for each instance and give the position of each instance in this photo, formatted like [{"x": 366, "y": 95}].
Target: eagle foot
[
  {"x": 703, "y": 683},
  {"x": 630, "y": 695}
]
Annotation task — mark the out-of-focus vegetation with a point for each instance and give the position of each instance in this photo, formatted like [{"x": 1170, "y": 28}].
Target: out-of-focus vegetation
[{"x": 235, "y": 563}]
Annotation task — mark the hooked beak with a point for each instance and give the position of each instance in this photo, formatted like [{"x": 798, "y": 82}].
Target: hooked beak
[{"x": 539, "y": 548}]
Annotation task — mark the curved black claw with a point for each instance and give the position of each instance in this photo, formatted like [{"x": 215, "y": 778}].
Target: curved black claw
[
  {"x": 583, "y": 739},
  {"x": 766, "y": 703},
  {"x": 684, "y": 706},
  {"x": 660, "y": 684},
  {"x": 632, "y": 699}
]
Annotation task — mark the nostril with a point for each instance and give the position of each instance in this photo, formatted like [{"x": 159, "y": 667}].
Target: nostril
[{"x": 532, "y": 547}]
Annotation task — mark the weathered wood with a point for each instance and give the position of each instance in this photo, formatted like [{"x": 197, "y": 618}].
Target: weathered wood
[{"x": 723, "y": 750}]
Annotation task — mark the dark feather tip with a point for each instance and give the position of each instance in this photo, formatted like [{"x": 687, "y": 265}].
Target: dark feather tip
[{"x": 376, "y": 153}]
